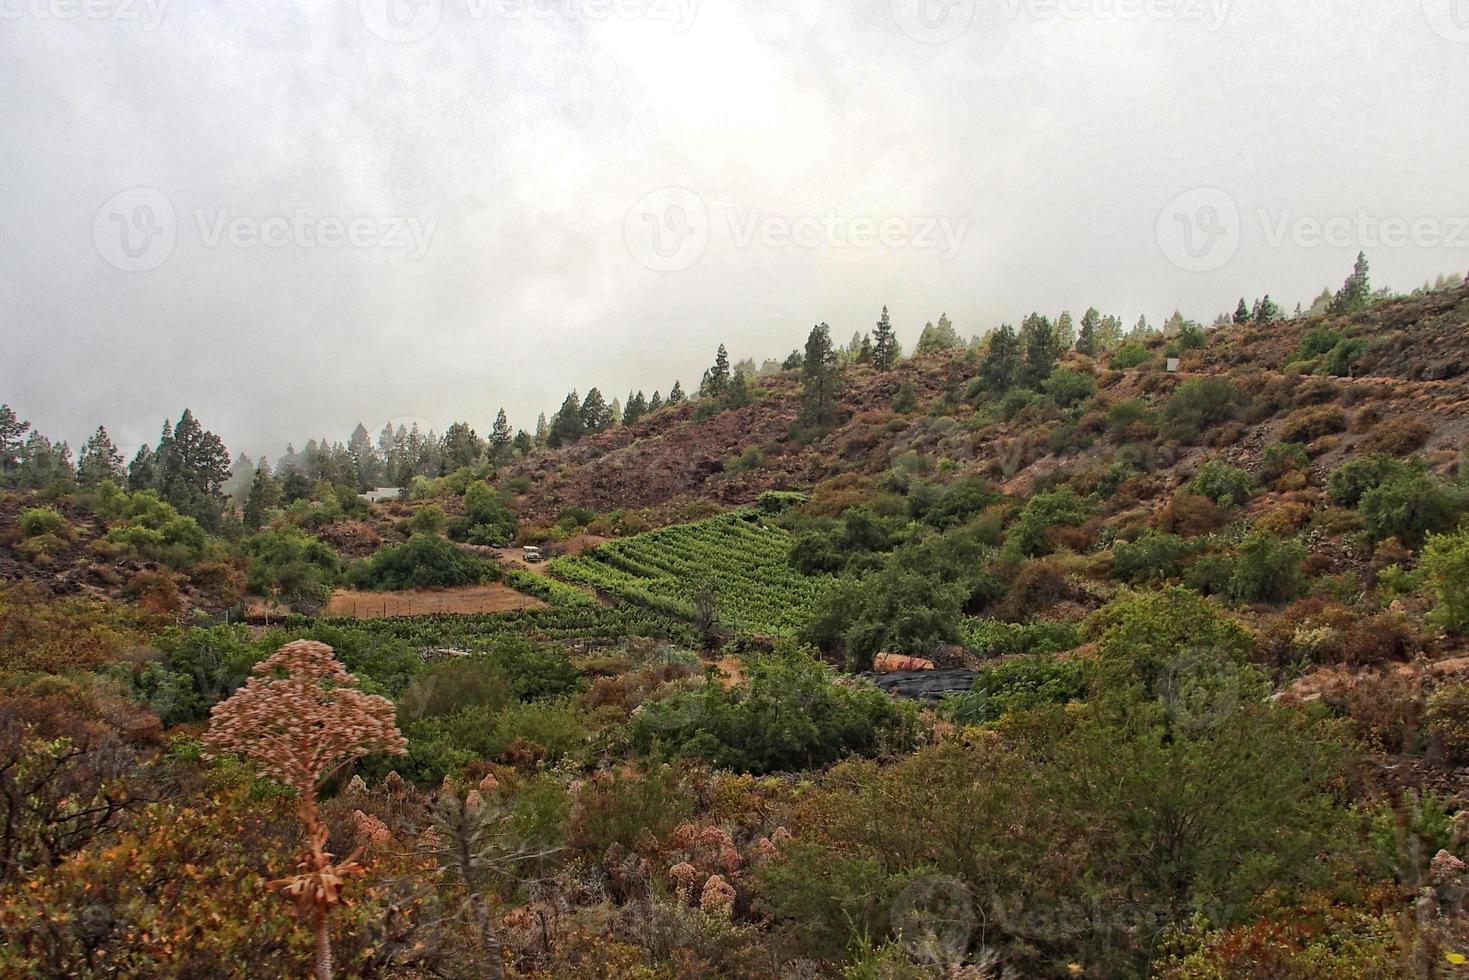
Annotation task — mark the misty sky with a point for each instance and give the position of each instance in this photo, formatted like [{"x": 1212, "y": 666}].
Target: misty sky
[{"x": 292, "y": 217}]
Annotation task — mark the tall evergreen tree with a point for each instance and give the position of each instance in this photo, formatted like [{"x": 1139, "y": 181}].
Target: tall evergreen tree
[
  {"x": 264, "y": 495},
  {"x": 655, "y": 403},
  {"x": 522, "y": 443},
  {"x": 193, "y": 466},
  {"x": 143, "y": 470},
  {"x": 1000, "y": 369},
  {"x": 567, "y": 425},
  {"x": 676, "y": 395},
  {"x": 1242, "y": 312},
  {"x": 99, "y": 460},
  {"x": 716, "y": 379},
  {"x": 636, "y": 408},
  {"x": 595, "y": 415},
  {"x": 1267, "y": 311},
  {"x": 792, "y": 361},
  {"x": 1065, "y": 331},
  {"x": 462, "y": 447},
  {"x": 501, "y": 449},
  {"x": 1042, "y": 346},
  {"x": 543, "y": 431},
  {"x": 12, "y": 441},
  {"x": 1088, "y": 339},
  {"x": 885, "y": 348},
  {"x": 820, "y": 378},
  {"x": 1356, "y": 291}
]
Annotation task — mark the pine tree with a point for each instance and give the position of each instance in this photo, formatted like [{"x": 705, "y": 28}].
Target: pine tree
[
  {"x": 1042, "y": 346},
  {"x": 1066, "y": 331},
  {"x": 522, "y": 443},
  {"x": 12, "y": 440},
  {"x": 462, "y": 447},
  {"x": 1267, "y": 311},
  {"x": 820, "y": 378},
  {"x": 885, "y": 349},
  {"x": 737, "y": 395},
  {"x": 1109, "y": 336},
  {"x": 1088, "y": 340},
  {"x": 637, "y": 407},
  {"x": 595, "y": 415},
  {"x": 1000, "y": 369},
  {"x": 543, "y": 432},
  {"x": 938, "y": 337},
  {"x": 716, "y": 379},
  {"x": 676, "y": 395},
  {"x": 655, "y": 403},
  {"x": 500, "y": 439},
  {"x": 1356, "y": 292},
  {"x": 1242, "y": 312},
  {"x": 264, "y": 496},
  {"x": 193, "y": 466},
  {"x": 792, "y": 361},
  {"x": 567, "y": 425},
  {"x": 99, "y": 460},
  {"x": 615, "y": 413}
]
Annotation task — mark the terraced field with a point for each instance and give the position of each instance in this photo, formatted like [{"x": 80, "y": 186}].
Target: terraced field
[{"x": 734, "y": 557}]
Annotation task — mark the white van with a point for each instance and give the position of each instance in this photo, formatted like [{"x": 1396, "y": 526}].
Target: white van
[{"x": 533, "y": 554}]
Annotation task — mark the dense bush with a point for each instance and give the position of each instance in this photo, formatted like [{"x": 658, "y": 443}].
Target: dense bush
[
  {"x": 1281, "y": 458},
  {"x": 1153, "y": 557},
  {"x": 486, "y": 520},
  {"x": 1017, "y": 685},
  {"x": 290, "y": 563},
  {"x": 423, "y": 562},
  {"x": 1446, "y": 564},
  {"x": 1267, "y": 569},
  {"x": 1308, "y": 424},
  {"x": 1408, "y": 507},
  {"x": 1352, "y": 479},
  {"x": 1067, "y": 387},
  {"x": 1222, "y": 483},
  {"x": 1198, "y": 404},
  {"x": 1401, "y": 436},
  {"x": 1042, "y": 512},
  {"x": 1448, "y": 721},
  {"x": 790, "y": 714}
]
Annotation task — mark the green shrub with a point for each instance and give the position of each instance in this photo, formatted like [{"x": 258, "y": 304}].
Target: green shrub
[
  {"x": 1153, "y": 557},
  {"x": 1352, "y": 479},
  {"x": 1056, "y": 508},
  {"x": 1446, "y": 567},
  {"x": 1223, "y": 484},
  {"x": 1017, "y": 685},
  {"x": 1267, "y": 569},
  {"x": 1448, "y": 720},
  {"x": 423, "y": 562},
  {"x": 789, "y": 715},
  {"x": 428, "y": 519},
  {"x": 1067, "y": 387},
  {"x": 1281, "y": 458},
  {"x": 1309, "y": 424},
  {"x": 1198, "y": 404},
  {"x": 1129, "y": 355},
  {"x": 994, "y": 638},
  {"x": 290, "y": 563},
  {"x": 1407, "y": 508},
  {"x": 36, "y": 521}
]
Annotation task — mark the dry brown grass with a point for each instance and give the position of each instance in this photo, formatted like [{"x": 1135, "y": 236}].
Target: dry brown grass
[{"x": 470, "y": 599}]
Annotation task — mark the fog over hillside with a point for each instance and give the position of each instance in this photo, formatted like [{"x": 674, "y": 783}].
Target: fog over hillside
[{"x": 293, "y": 217}]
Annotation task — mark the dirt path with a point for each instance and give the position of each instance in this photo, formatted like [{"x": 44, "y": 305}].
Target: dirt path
[{"x": 492, "y": 598}]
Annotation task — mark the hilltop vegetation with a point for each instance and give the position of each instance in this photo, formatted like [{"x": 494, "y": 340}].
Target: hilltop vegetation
[{"x": 1214, "y": 619}]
